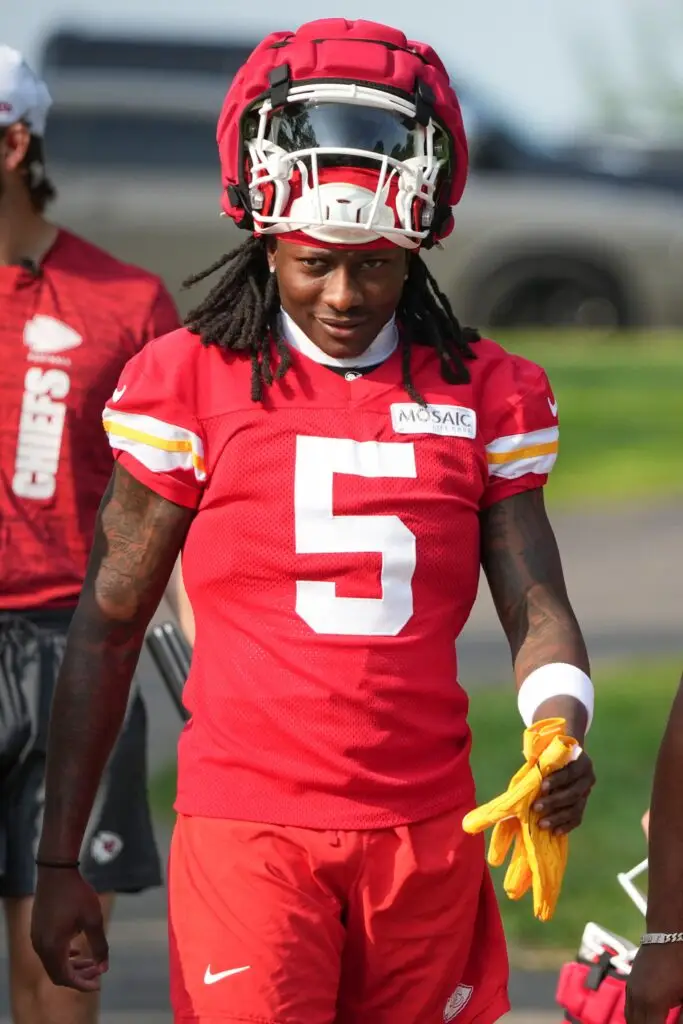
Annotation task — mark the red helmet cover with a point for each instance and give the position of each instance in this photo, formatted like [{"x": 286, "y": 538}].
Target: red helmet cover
[{"x": 335, "y": 49}]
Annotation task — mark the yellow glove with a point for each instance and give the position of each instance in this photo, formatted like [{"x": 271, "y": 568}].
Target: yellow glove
[{"x": 539, "y": 857}]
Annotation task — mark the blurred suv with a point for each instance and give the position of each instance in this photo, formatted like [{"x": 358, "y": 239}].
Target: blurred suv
[{"x": 541, "y": 239}]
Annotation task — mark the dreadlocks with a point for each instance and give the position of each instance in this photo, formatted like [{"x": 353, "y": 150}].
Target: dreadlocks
[{"x": 241, "y": 314}]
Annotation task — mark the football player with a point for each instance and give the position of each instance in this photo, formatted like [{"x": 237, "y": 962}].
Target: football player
[
  {"x": 72, "y": 316},
  {"x": 335, "y": 456}
]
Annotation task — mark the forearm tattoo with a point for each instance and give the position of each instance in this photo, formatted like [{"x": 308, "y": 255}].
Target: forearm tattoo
[
  {"x": 137, "y": 539},
  {"x": 521, "y": 560}
]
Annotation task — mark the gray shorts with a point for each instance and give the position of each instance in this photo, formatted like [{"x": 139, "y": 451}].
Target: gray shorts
[{"x": 119, "y": 852}]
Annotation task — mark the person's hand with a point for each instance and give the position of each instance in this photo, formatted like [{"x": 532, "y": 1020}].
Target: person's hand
[
  {"x": 564, "y": 794},
  {"x": 655, "y": 984},
  {"x": 66, "y": 906},
  {"x": 645, "y": 822}
]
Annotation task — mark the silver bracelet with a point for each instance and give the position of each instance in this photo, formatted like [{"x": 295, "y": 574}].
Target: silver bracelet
[{"x": 659, "y": 938}]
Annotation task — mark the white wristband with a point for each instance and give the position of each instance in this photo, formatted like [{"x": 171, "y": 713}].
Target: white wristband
[{"x": 555, "y": 680}]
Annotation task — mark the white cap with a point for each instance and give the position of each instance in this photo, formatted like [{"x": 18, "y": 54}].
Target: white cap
[{"x": 23, "y": 96}]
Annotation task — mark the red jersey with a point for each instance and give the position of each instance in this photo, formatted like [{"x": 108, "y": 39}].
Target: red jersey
[
  {"x": 66, "y": 331},
  {"x": 332, "y": 562}
]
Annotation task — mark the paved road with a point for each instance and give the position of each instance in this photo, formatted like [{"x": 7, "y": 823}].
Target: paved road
[{"x": 622, "y": 578}]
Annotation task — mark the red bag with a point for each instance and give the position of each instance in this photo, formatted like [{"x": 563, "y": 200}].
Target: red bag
[
  {"x": 592, "y": 988},
  {"x": 596, "y": 993}
]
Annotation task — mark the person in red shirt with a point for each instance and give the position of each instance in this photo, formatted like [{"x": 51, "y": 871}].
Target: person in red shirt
[
  {"x": 72, "y": 316},
  {"x": 336, "y": 457}
]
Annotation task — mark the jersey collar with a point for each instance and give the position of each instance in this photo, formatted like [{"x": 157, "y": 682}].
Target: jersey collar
[{"x": 382, "y": 347}]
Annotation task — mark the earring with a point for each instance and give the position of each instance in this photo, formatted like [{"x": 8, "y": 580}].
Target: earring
[{"x": 271, "y": 268}]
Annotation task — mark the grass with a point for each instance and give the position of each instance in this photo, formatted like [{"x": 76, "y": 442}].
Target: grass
[
  {"x": 619, "y": 399},
  {"x": 162, "y": 787},
  {"x": 634, "y": 701}
]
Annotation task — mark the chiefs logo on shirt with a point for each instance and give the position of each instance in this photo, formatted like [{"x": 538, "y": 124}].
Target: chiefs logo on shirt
[{"x": 105, "y": 847}]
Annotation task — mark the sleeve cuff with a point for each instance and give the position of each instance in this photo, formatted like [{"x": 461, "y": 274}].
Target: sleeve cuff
[
  {"x": 160, "y": 483},
  {"x": 501, "y": 489}
]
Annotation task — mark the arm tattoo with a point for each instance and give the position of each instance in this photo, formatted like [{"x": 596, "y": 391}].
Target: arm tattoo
[
  {"x": 137, "y": 538},
  {"x": 522, "y": 563}
]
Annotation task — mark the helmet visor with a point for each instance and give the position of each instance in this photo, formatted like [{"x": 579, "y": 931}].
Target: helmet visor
[{"x": 349, "y": 126}]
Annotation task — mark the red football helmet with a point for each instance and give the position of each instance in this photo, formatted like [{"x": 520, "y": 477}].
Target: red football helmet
[{"x": 344, "y": 132}]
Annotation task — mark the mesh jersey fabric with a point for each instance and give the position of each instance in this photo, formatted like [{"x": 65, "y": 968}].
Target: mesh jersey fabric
[
  {"x": 67, "y": 330},
  {"x": 332, "y": 563}
]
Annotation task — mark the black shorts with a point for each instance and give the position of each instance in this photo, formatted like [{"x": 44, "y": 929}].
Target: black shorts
[{"x": 119, "y": 852}]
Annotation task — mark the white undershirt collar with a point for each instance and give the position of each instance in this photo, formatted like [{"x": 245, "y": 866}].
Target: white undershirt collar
[{"x": 382, "y": 347}]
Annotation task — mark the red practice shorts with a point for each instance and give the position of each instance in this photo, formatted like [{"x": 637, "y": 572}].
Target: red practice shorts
[{"x": 281, "y": 925}]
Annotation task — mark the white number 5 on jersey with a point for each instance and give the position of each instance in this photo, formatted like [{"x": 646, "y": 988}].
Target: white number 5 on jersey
[{"x": 319, "y": 531}]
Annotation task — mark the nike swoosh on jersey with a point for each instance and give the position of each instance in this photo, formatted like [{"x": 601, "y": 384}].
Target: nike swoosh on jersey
[
  {"x": 211, "y": 979},
  {"x": 118, "y": 393},
  {"x": 553, "y": 407}
]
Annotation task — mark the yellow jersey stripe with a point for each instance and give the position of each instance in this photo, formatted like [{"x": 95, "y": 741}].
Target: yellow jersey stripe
[
  {"x": 513, "y": 442},
  {"x": 138, "y": 435},
  {"x": 161, "y": 443},
  {"x": 532, "y": 452}
]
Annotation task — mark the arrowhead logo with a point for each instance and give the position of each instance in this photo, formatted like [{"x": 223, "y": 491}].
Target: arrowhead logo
[
  {"x": 106, "y": 846},
  {"x": 45, "y": 335},
  {"x": 457, "y": 1003}
]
